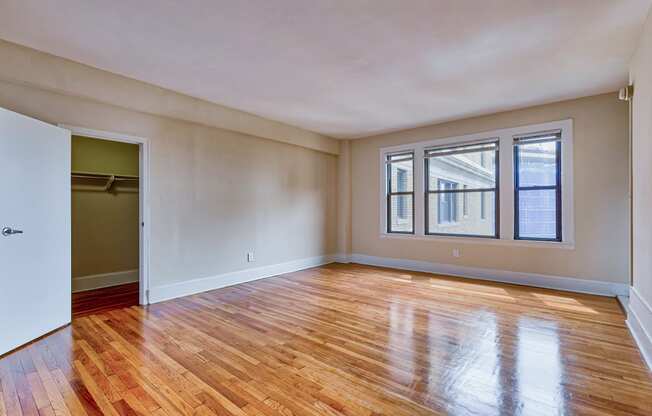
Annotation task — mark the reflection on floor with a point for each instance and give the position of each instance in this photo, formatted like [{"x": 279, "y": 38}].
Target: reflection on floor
[
  {"x": 105, "y": 299},
  {"x": 340, "y": 340}
]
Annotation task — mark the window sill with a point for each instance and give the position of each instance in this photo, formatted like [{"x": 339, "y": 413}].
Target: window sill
[{"x": 564, "y": 245}]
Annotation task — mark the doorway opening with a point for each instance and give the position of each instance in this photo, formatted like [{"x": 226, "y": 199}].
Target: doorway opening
[{"x": 108, "y": 189}]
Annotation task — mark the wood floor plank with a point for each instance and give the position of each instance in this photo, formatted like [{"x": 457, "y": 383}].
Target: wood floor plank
[{"x": 337, "y": 340}]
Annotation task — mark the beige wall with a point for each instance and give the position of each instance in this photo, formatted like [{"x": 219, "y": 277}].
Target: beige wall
[
  {"x": 641, "y": 76},
  {"x": 105, "y": 228},
  {"x": 218, "y": 193},
  {"x": 344, "y": 198},
  {"x": 215, "y": 194},
  {"x": 24, "y": 65},
  {"x": 600, "y": 182}
]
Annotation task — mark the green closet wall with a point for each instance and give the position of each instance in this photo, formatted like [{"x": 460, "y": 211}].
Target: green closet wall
[{"x": 105, "y": 236}]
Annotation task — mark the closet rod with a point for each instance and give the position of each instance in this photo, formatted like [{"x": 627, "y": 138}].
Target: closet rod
[{"x": 83, "y": 175}]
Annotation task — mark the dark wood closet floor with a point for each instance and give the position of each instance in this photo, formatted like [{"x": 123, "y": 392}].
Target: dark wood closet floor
[{"x": 105, "y": 299}]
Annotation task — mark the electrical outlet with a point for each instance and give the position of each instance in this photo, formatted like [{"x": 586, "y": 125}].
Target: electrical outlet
[
  {"x": 456, "y": 252},
  {"x": 250, "y": 257}
]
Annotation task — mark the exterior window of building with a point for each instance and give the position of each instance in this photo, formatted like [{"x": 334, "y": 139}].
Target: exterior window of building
[
  {"x": 537, "y": 187},
  {"x": 400, "y": 193},
  {"x": 447, "y": 211},
  {"x": 446, "y": 169},
  {"x": 483, "y": 207}
]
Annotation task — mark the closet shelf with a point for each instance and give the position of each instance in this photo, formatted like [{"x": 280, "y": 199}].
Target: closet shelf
[{"x": 108, "y": 180}]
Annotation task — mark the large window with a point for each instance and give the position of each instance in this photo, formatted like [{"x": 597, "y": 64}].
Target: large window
[
  {"x": 537, "y": 187},
  {"x": 400, "y": 193},
  {"x": 460, "y": 185}
]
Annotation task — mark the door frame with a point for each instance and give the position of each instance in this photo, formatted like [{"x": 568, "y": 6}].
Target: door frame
[{"x": 143, "y": 197}]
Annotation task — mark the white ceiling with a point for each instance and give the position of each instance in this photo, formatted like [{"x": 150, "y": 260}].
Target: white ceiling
[{"x": 346, "y": 68}]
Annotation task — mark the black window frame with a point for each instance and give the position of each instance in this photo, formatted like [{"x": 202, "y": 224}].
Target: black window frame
[
  {"x": 531, "y": 139},
  {"x": 388, "y": 184},
  {"x": 496, "y": 189}
]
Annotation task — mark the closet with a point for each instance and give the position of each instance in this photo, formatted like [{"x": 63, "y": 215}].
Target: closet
[{"x": 105, "y": 224}]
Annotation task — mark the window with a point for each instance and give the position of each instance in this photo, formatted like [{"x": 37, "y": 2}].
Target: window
[
  {"x": 537, "y": 187},
  {"x": 447, "y": 211},
  {"x": 448, "y": 167},
  {"x": 400, "y": 193},
  {"x": 452, "y": 188},
  {"x": 483, "y": 207}
]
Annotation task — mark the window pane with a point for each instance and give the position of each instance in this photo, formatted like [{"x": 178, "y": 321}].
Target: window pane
[
  {"x": 401, "y": 176},
  {"x": 475, "y": 170},
  {"x": 537, "y": 214},
  {"x": 401, "y": 213},
  {"x": 537, "y": 163},
  {"x": 445, "y": 209}
]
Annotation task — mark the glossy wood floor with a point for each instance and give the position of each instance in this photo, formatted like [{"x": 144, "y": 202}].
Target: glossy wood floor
[
  {"x": 339, "y": 340},
  {"x": 104, "y": 299}
]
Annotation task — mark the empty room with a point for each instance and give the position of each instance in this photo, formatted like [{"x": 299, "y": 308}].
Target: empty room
[{"x": 338, "y": 208}]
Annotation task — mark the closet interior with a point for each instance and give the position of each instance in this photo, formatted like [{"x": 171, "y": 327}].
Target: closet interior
[{"x": 105, "y": 206}]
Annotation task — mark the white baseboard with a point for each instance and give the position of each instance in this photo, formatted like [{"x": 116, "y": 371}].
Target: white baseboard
[
  {"x": 191, "y": 287},
  {"x": 342, "y": 258},
  {"x": 97, "y": 281},
  {"x": 624, "y": 303},
  {"x": 639, "y": 321},
  {"x": 569, "y": 284},
  {"x": 638, "y": 307}
]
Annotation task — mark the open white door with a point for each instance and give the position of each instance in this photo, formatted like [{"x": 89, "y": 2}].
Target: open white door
[{"x": 35, "y": 223}]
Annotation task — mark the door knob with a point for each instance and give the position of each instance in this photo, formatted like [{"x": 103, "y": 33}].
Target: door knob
[{"x": 7, "y": 231}]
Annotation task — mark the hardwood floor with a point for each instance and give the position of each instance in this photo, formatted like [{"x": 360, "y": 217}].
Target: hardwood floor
[
  {"x": 339, "y": 340},
  {"x": 104, "y": 299}
]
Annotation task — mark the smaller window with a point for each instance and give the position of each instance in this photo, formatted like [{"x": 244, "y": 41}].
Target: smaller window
[
  {"x": 400, "y": 193},
  {"x": 465, "y": 203},
  {"x": 537, "y": 187}
]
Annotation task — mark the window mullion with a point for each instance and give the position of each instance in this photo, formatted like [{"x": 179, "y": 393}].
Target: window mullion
[
  {"x": 419, "y": 187},
  {"x": 506, "y": 186}
]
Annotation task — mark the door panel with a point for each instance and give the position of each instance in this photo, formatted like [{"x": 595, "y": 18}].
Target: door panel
[{"x": 35, "y": 276}]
